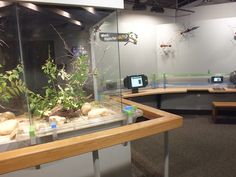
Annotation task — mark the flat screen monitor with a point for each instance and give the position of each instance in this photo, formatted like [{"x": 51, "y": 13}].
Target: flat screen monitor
[
  {"x": 217, "y": 79},
  {"x": 135, "y": 82}
]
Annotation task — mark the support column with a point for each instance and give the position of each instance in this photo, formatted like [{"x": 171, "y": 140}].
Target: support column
[
  {"x": 96, "y": 165},
  {"x": 166, "y": 154}
]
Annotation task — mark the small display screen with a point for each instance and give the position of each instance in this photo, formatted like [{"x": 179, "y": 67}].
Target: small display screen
[
  {"x": 217, "y": 79},
  {"x": 136, "y": 81}
]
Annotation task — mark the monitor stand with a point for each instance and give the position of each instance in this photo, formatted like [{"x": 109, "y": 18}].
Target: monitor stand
[{"x": 135, "y": 90}]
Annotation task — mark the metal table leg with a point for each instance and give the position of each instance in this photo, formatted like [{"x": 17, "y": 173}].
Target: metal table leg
[
  {"x": 96, "y": 165},
  {"x": 166, "y": 154}
]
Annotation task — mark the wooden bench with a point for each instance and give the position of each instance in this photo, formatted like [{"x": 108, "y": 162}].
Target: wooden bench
[{"x": 221, "y": 105}]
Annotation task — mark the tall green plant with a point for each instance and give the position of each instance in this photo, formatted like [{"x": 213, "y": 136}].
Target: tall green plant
[
  {"x": 78, "y": 78},
  {"x": 69, "y": 93},
  {"x": 11, "y": 84}
]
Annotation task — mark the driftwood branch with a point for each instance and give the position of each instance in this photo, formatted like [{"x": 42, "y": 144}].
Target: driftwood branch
[
  {"x": 64, "y": 42},
  {"x": 2, "y": 107}
]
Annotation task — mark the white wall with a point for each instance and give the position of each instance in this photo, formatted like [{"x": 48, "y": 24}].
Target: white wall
[
  {"x": 141, "y": 58},
  {"x": 210, "y": 47}
]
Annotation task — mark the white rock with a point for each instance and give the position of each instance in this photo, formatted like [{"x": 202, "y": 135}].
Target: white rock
[
  {"x": 86, "y": 108},
  {"x": 58, "y": 119},
  {"x": 2, "y": 119},
  {"x": 9, "y": 115},
  {"x": 13, "y": 134},
  {"x": 8, "y": 126},
  {"x": 41, "y": 125},
  {"x": 99, "y": 112}
]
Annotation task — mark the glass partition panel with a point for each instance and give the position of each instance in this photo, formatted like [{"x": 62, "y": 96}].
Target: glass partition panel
[
  {"x": 56, "y": 44},
  {"x": 57, "y": 75},
  {"x": 106, "y": 58},
  {"x": 139, "y": 55},
  {"x": 14, "y": 119}
]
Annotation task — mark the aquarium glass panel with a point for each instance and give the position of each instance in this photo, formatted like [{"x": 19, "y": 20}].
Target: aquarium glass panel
[
  {"x": 106, "y": 58},
  {"x": 14, "y": 117},
  {"x": 71, "y": 75}
]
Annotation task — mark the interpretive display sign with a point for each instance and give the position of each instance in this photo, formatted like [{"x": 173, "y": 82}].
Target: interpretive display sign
[
  {"x": 110, "y": 37},
  {"x": 120, "y": 37}
]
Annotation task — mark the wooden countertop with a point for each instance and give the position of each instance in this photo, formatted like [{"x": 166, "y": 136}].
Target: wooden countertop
[
  {"x": 146, "y": 92},
  {"x": 39, "y": 154},
  {"x": 224, "y": 104},
  {"x": 227, "y": 90}
]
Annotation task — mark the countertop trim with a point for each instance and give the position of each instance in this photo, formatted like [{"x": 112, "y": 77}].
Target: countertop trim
[{"x": 44, "y": 153}]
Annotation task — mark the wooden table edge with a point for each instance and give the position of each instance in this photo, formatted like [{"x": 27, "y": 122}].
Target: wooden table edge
[{"x": 44, "y": 153}]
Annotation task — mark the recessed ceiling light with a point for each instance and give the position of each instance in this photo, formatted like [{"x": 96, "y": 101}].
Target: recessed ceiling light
[
  {"x": 4, "y": 3},
  {"x": 30, "y": 6},
  {"x": 76, "y": 22},
  {"x": 62, "y": 13},
  {"x": 90, "y": 9}
]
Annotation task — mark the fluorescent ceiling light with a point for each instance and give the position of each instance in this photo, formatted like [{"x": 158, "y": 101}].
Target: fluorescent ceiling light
[
  {"x": 30, "y": 6},
  {"x": 67, "y": 15},
  {"x": 4, "y": 3},
  {"x": 62, "y": 13},
  {"x": 90, "y": 9},
  {"x": 57, "y": 11},
  {"x": 76, "y": 22}
]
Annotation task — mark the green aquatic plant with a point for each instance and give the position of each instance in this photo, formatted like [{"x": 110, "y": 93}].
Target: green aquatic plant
[
  {"x": 65, "y": 89},
  {"x": 11, "y": 84},
  {"x": 78, "y": 78}
]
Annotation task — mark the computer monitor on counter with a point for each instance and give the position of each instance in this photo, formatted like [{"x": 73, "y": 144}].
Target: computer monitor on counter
[
  {"x": 135, "y": 82},
  {"x": 217, "y": 79}
]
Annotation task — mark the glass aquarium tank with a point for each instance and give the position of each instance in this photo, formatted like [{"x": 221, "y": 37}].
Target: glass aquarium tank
[
  {"x": 58, "y": 77},
  {"x": 13, "y": 101}
]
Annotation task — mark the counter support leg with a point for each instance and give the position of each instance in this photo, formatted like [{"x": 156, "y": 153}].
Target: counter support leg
[
  {"x": 214, "y": 114},
  {"x": 96, "y": 165},
  {"x": 166, "y": 154}
]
